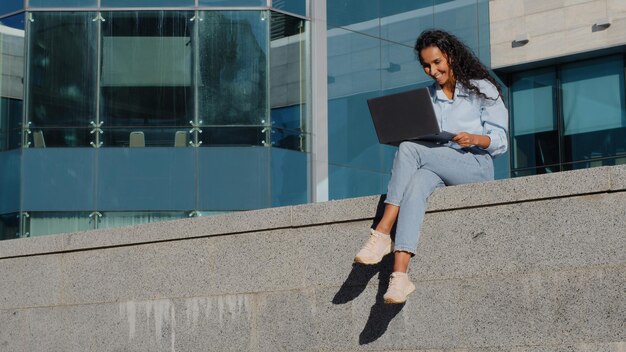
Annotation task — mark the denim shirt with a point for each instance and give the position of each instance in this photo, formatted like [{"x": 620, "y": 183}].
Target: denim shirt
[{"x": 470, "y": 113}]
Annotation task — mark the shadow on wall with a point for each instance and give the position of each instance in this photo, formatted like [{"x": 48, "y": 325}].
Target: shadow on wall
[{"x": 381, "y": 314}]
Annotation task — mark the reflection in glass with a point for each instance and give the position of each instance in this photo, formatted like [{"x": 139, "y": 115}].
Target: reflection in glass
[
  {"x": 142, "y": 179},
  {"x": 146, "y": 76},
  {"x": 294, "y": 6},
  {"x": 234, "y": 178},
  {"x": 8, "y": 6},
  {"x": 232, "y": 3},
  {"x": 594, "y": 112},
  {"x": 287, "y": 131},
  {"x": 62, "y": 63},
  {"x": 595, "y": 163},
  {"x": 289, "y": 92},
  {"x": 59, "y": 137},
  {"x": 348, "y": 13},
  {"x": 11, "y": 81},
  {"x": 534, "y": 120},
  {"x": 401, "y": 21},
  {"x": 460, "y": 18},
  {"x": 232, "y": 81},
  {"x": 9, "y": 226},
  {"x": 48, "y": 223},
  {"x": 400, "y": 67},
  {"x": 144, "y": 136},
  {"x": 62, "y": 3},
  {"x": 10, "y": 123},
  {"x": 147, "y": 3},
  {"x": 127, "y": 218},
  {"x": 354, "y": 63},
  {"x": 233, "y": 135},
  {"x": 289, "y": 177}
]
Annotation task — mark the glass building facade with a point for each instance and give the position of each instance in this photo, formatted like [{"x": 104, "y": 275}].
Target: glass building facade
[
  {"x": 112, "y": 117},
  {"x": 122, "y": 112},
  {"x": 568, "y": 116}
]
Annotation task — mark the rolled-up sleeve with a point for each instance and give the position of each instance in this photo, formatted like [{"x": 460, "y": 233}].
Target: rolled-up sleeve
[{"x": 495, "y": 120}]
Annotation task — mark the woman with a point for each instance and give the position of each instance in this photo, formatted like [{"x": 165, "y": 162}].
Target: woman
[{"x": 467, "y": 102}]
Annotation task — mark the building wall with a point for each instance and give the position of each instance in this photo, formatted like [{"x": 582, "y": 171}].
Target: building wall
[
  {"x": 565, "y": 71},
  {"x": 555, "y": 28}
]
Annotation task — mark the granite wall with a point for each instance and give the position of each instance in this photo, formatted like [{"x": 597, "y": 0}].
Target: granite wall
[{"x": 527, "y": 264}]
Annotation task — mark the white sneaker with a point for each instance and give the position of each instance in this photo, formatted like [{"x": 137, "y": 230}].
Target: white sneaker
[
  {"x": 399, "y": 288},
  {"x": 376, "y": 247}
]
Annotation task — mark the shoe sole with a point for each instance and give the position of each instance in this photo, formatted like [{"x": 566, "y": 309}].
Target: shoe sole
[
  {"x": 397, "y": 301},
  {"x": 375, "y": 261}
]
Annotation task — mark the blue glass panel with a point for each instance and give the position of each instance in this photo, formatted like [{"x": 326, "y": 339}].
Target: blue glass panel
[
  {"x": 294, "y": 6},
  {"x": 147, "y": 71},
  {"x": 146, "y": 179},
  {"x": 9, "y": 226},
  {"x": 501, "y": 167},
  {"x": 593, "y": 95},
  {"x": 233, "y": 68},
  {"x": 49, "y": 223},
  {"x": 116, "y": 218},
  {"x": 403, "y": 20},
  {"x": 232, "y": 3},
  {"x": 147, "y": 3},
  {"x": 389, "y": 153},
  {"x": 353, "y": 63},
  {"x": 61, "y": 84},
  {"x": 11, "y": 81},
  {"x": 533, "y": 94},
  {"x": 400, "y": 68},
  {"x": 358, "y": 15},
  {"x": 10, "y": 123},
  {"x": 534, "y": 132},
  {"x": 15, "y": 22},
  {"x": 352, "y": 139},
  {"x": 236, "y": 178},
  {"x": 62, "y": 3},
  {"x": 406, "y": 8},
  {"x": 10, "y": 181},
  {"x": 8, "y": 6},
  {"x": 458, "y": 17},
  {"x": 347, "y": 182},
  {"x": 287, "y": 128},
  {"x": 594, "y": 116},
  {"x": 595, "y": 163},
  {"x": 289, "y": 177},
  {"x": 484, "y": 46},
  {"x": 289, "y": 86},
  {"x": 59, "y": 179}
]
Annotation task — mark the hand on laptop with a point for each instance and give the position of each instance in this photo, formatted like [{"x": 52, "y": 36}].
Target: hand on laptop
[{"x": 465, "y": 140}]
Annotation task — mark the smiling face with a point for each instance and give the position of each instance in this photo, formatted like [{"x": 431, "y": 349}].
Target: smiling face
[{"x": 435, "y": 64}]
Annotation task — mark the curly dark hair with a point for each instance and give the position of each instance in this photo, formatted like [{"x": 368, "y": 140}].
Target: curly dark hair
[{"x": 465, "y": 65}]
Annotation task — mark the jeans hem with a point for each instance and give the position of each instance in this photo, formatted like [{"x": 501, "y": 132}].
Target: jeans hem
[{"x": 404, "y": 249}]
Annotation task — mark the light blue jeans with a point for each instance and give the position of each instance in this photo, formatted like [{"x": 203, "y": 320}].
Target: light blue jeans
[{"x": 420, "y": 168}]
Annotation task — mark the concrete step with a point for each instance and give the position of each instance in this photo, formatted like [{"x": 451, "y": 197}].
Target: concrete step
[{"x": 527, "y": 264}]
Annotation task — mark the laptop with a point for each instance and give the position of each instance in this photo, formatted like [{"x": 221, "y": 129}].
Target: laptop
[{"x": 406, "y": 116}]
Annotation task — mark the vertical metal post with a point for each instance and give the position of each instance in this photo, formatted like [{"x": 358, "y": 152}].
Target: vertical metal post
[{"x": 319, "y": 101}]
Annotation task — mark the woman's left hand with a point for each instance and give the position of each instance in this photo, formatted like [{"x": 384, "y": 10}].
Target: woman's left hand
[{"x": 465, "y": 140}]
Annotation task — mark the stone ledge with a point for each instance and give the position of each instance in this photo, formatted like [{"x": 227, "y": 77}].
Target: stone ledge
[{"x": 562, "y": 184}]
